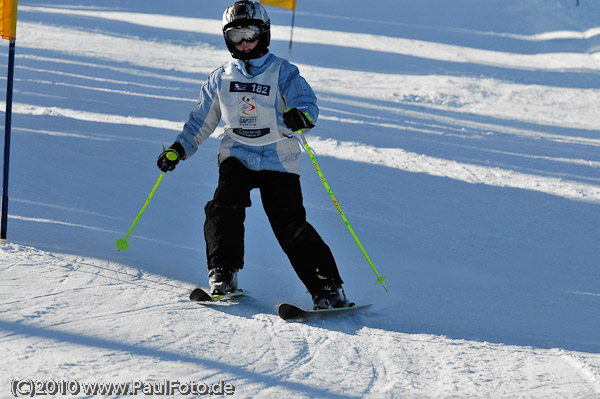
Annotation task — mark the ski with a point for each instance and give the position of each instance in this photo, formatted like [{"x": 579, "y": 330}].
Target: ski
[
  {"x": 199, "y": 295},
  {"x": 292, "y": 312}
]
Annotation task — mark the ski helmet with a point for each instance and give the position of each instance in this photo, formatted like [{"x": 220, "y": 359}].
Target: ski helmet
[{"x": 252, "y": 16}]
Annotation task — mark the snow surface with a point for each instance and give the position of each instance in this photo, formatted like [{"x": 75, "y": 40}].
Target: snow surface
[{"x": 461, "y": 139}]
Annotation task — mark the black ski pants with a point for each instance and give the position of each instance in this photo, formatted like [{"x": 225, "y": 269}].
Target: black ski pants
[{"x": 281, "y": 197}]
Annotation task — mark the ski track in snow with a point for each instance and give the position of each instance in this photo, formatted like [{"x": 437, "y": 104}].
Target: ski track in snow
[
  {"x": 150, "y": 332},
  {"x": 389, "y": 157},
  {"x": 416, "y": 48},
  {"x": 93, "y": 102},
  {"x": 483, "y": 96}
]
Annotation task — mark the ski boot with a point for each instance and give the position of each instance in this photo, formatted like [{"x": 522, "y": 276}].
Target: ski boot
[
  {"x": 330, "y": 296},
  {"x": 222, "y": 281}
]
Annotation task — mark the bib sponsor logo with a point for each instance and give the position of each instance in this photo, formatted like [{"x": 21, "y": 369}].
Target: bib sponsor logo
[
  {"x": 251, "y": 133},
  {"x": 247, "y": 111}
]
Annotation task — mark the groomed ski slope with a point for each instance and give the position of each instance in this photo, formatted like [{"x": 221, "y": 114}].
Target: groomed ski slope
[{"x": 460, "y": 139}]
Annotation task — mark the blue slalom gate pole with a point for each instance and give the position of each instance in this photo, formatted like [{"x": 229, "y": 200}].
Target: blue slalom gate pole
[{"x": 7, "y": 125}]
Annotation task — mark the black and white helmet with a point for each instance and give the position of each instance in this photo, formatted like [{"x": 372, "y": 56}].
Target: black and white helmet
[{"x": 252, "y": 16}]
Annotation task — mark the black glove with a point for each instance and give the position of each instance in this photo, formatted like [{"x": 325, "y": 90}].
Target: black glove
[
  {"x": 170, "y": 157},
  {"x": 296, "y": 120}
]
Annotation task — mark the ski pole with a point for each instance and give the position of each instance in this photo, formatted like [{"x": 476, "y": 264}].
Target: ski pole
[
  {"x": 122, "y": 243},
  {"x": 380, "y": 280}
]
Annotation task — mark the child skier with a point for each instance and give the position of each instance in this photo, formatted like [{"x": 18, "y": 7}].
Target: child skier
[{"x": 262, "y": 100}]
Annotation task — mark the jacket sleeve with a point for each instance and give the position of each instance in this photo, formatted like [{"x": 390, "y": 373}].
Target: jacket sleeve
[
  {"x": 204, "y": 118},
  {"x": 296, "y": 91}
]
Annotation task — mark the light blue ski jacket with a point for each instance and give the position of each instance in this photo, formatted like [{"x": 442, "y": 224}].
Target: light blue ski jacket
[{"x": 283, "y": 155}]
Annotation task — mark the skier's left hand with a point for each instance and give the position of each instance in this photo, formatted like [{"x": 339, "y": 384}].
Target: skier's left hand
[{"x": 296, "y": 120}]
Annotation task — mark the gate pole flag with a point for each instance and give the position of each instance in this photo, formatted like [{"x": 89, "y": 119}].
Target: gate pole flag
[
  {"x": 288, "y": 4},
  {"x": 8, "y": 30}
]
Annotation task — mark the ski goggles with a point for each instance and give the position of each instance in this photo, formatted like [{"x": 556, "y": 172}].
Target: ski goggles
[{"x": 237, "y": 34}]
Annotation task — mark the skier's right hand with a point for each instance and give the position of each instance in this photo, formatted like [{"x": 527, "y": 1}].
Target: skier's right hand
[{"x": 169, "y": 158}]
